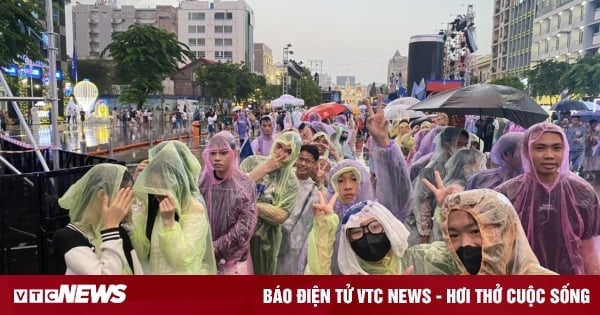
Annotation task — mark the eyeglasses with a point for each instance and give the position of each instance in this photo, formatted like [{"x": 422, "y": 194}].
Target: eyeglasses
[{"x": 374, "y": 227}]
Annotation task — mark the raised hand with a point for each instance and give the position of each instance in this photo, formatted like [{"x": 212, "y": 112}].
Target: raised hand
[
  {"x": 324, "y": 207},
  {"x": 167, "y": 208},
  {"x": 378, "y": 125},
  {"x": 113, "y": 214},
  {"x": 439, "y": 190},
  {"x": 274, "y": 161}
]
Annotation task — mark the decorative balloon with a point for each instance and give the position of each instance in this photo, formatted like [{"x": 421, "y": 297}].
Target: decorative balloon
[{"x": 85, "y": 93}]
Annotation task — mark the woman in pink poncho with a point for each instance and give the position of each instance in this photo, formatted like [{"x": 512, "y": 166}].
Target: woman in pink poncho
[
  {"x": 230, "y": 197},
  {"x": 559, "y": 211}
]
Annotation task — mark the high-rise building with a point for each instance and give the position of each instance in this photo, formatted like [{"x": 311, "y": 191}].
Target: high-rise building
[
  {"x": 94, "y": 24},
  {"x": 218, "y": 30},
  {"x": 511, "y": 39},
  {"x": 500, "y": 37},
  {"x": 397, "y": 70},
  {"x": 263, "y": 63},
  {"x": 566, "y": 30}
]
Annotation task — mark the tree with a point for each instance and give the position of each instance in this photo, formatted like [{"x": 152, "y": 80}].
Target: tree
[
  {"x": 149, "y": 54},
  {"x": 509, "y": 81},
  {"x": 18, "y": 24},
  {"x": 218, "y": 81},
  {"x": 583, "y": 78},
  {"x": 544, "y": 78},
  {"x": 104, "y": 73},
  {"x": 474, "y": 79}
]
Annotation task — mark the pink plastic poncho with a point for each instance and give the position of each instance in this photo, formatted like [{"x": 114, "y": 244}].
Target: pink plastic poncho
[
  {"x": 509, "y": 143},
  {"x": 231, "y": 205},
  {"x": 556, "y": 217}
]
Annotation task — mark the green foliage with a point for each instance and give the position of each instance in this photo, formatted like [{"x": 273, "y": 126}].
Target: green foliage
[
  {"x": 218, "y": 81},
  {"x": 509, "y": 81},
  {"x": 149, "y": 54},
  {"x": 544, "y": 78},
  {"x": 310, "y": 91},
  {"x": 15, "y": 38},
  {"x": 583, "y": 78},
  {"x": 104, "y": 73}
]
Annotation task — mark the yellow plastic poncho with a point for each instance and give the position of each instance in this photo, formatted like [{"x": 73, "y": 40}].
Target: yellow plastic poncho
[
  {"x": 186, "y": 247},
  {"x": 82, "y": 198},
  {"x": 505, "y": 249},
  {"x": 279, "y": 193}
]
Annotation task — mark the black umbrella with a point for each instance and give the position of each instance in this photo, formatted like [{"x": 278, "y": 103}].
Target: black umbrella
[
  {"x": 569, "y": 105},
  {"x": 486, "y": 100}
]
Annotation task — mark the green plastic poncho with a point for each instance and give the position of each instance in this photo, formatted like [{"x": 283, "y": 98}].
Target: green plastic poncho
[
  {"x": 278, "y": 192},
  {"x": 84, "y": 203},
  {"x": 186, "y": 247}
]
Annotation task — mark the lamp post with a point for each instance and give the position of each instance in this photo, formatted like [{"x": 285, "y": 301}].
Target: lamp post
[{"x": 287, "y": 51}]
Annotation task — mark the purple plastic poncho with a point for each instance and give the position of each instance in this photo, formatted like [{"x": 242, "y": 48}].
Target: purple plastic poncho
[
  {"x": 394, "y": 188},
  {"x": 262, "y": 144},
  {"x": 365, "y": 190},
  {"x": 231, "y": 205},
  {"x": 314, "y": 117},
  {"x": 427, "y": 144},
  {"x": 508, "y": 144},
  {"x": 242, "y": 125},
  {"x": 556, "y": 217}
]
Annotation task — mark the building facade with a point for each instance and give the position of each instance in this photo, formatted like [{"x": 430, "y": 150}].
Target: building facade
[
  {"x": 263, "y": 63},
  {"x": 481, "y": 68},
  {"x": 499, "y": 62},
  {"x": 397, "y": 70},
  {"x": 566, "y": 30},
  {"x": 219, "y": 30},
  {"x": 94, "y": 24},
  {"x": 512, "y": 37}
]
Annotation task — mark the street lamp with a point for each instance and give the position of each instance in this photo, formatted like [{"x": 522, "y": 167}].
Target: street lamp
[{"x": 287, "y": 51}]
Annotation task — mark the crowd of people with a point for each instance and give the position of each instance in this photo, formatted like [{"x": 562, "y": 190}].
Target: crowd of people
[{"x": 443, "y": 196}]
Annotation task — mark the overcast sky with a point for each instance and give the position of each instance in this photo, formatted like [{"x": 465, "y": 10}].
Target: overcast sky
[{"x": 350, "y": 37}]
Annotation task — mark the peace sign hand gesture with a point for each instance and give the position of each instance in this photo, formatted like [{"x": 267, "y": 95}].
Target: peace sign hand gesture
[
  {"x": 323, "y": 207},
  {"x": 439, "y": 190},
  {"x": 378, "y": 125},
  {"x": 320, "y": 174}
]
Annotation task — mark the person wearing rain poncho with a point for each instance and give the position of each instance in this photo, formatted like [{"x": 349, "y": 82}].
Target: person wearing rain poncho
[
  {"x": 419, "y": 220},
  {"x": 296, "y": 228},
  {"x": 460, "y": 166},
  {"x": 371, "y": 242},
  {"x": 394, "y": 188},
  {"x": 559, "y": 211},
  {"x": 326, "y": 149},
  {"x": 507, "y": 154},
  {"x": 262, "y": 144},
  {"x": 172, "y": 233},
  {"x": 482, "y": 231},
  {"x": 95, "y": 242},
  {"x": 277, "y": 189},
  {"x": 231, "y": 203}
]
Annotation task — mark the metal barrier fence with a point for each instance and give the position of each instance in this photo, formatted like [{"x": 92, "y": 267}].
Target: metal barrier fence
[{"x": 29, "y": 211}]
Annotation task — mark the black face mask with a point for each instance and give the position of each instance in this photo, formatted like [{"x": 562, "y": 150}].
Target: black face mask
[
  {"x": 342, "y": 139},
  {"x": 471, "y": 258},
  {"x": 371, "y": 247}
]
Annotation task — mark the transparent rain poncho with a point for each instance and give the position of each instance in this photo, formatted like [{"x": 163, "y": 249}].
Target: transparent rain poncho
[
  {"x": 420, "y": 218},
  {"x": 186, "y": 247},
  {"x": 505, "y": 250},
  {"x": 279, "y": 191},
  {"x": 426, "y": 260},
  {"x": 460, "y": 166},
  {"x": 556, "y": 217},
  {"x": 365, "y": 189},
  {"x": 82, "y": 197},
  {"x": 394, "y": 189},
  {"x": 82, "y": 201},
  {"x": 262, "y": 144},
  {"x": 231, "y": 206},
  {"x": 508, "y": 144}
]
